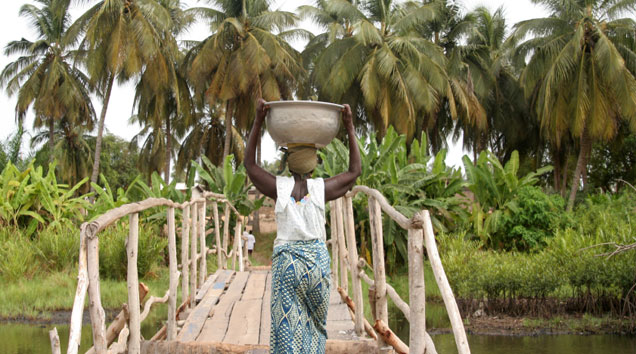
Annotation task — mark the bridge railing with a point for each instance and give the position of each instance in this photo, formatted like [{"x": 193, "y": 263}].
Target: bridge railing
[
  {"x": 345, "y": 263},
  {"x": 193, "y": 266}
]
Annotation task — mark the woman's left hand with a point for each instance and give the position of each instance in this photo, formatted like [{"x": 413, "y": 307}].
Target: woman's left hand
[{"x": 347, "y": 117}]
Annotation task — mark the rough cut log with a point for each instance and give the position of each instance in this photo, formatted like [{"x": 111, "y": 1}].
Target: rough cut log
[
  {"x": 132, "y": 247},
  {"x": 193, "y": 249},
  {"x": 153, "y": 300},
  {"x": 203, "y": 263},
  {"x": 98, "y": 316},
  {"x": 417, "y": 301},
  {"x": 75, "y": 332},
  {"x": 237, "y": 244},
  {"x": 381, "y": 305},
  {"x": 120, "y": 346},
  {"x": 174, "y": 276},
  {"x": 444, "y": 287},
  {"x": 185, "y": 258},
  {"x": 161, "y": 334},
  {"x": 217, "y": 235},
  {"x": 331, "y": 347},
  {"x": 352, "y": 311},
  {"x": 390, "y": 338},
  {"x": 246, "y": 252},
  {"x": 353, "y": 269},
  {"x": 55, "y": 341},
  {"x": 121, "y": 320},
  {"x": 395, "y": 297},
  {"x": 386, "y": 207},
  {"x": 334, "y": 243},
  {"x": 342, "y": 249},
  {"x": 226, "y": 232}
]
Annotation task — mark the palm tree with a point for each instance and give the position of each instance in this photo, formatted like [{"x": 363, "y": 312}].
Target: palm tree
[
  {"x": 43, "y": 76},
  {"x": 163, "y": 100},
  {"x": 244, "y": 59},
  {"x": 121, "y": 36},
  {"x": 396, "y": 72},
  {"x": 581, "y": 72}
]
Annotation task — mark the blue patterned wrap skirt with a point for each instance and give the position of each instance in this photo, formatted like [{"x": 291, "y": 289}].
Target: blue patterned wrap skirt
[{"x": 300, "y": 297}]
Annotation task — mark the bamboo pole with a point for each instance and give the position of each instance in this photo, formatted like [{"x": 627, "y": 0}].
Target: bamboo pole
[
  {"x": 353, "y": 267},
  {"x": 417, "y": 294},
  {"x": 193, "y": 251},
  {"x": 98, "y": 316},
  {"x": 447, "y": 293},
  {"x": 334, "y": 243},
  {"x": 226, "y": 231},
  {"x": 185, "y": 259},
  {"x": 217, "y": 233},
  {"x": 75, "y": 331},
  {"x": 55, "y": 341},
  {"x": 203, "y": 263},
  {"x": 132, "y": 246},
  {"x": 381, "y": 305},
  {"x": 174, "y": 277},
  {"x": 342, "y": 249}
]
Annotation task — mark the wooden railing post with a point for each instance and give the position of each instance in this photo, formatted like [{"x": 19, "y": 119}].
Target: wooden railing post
[
  {"x": 381, "y": 304},
  {"x": 417, "y": 301},
  {"x": 75, "y": 332},
  {"x": 226, "y": 231},
  {"x": 444, "y": 287},
  {"x": 353, "y": 265},
  {"x": 220, "y": 257},
  {"x": 203, "y": 270},
  {"x": 172, "y": 264},
  {"x": 334, "y": 243},
  {"x": 98, "y": 316},
  {"x": 238, "y": 251},
  {"x": 185, "y": 267},
  {"x": 134, "y": 340},
  {"x": 342, "y": 249},
  {"x": 193, "y": 252}
]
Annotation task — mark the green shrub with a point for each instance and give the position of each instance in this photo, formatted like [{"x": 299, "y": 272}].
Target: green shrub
[
  {"x": 18, "y": 258},
  {"x": 113, "y": 261},
  {"x": 57, "y": 249}
]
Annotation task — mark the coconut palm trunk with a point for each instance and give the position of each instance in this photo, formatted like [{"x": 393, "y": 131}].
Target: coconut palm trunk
[
  {"x": 581, "y": 164},
  {"x": 100, "y": 132},
  {"x": 51, "y": 138},
  {"x": 168, "y": 150},
  {"x": 228, "y": 129}
]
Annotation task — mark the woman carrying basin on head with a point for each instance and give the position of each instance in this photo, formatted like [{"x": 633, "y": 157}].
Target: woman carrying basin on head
[{"x": 300, "y": 262}]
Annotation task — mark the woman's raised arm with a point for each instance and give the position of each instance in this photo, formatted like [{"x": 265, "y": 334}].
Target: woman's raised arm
[
  {"x": 264, "y": 181},
  {"x": 337, "y": 186}
]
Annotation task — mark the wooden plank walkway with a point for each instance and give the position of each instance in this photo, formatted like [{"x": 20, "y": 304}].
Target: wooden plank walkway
[{"x": 234, "y": 310}]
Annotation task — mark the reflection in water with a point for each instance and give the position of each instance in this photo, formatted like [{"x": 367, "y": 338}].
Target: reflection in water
[{"x": 27, "y": 339}]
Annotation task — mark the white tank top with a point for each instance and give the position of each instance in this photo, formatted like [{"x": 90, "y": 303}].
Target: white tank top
[{"x": 299, "y": 220}]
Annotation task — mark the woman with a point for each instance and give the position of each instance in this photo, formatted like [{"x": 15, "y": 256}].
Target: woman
[{"x": 300, "y": 263}]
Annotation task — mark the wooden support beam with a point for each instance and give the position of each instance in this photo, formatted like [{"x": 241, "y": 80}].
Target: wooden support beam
[
  {"x": 226, "y": 232},
  {"x": 203, "y": 263},
  {"x": 334, "y": 243},
  {"x": 352, "y": 310},
  {"x": 381, "y": 305},
  {"x": 98, "y": 316},
  {"x": 444, "y": 287},
  {"x": 174, "y": 276},
  {"x": 55, "y": 341},
  {"x": 185, "y": 257},
  {"x": 342, "y": 248},
  {"x": 75, "y": 331},
  {"x": 352, "y": 247},
  {"x": 193, "y": 249},
  {"x": 220, "y": 260},
  {"x": 237, "y": 244},
  {"x": 132, "y": 247},
  {"x": 332, "y": 347},
  {"x": 417, "y": 301},
  {"x": 390, "y": 338}
]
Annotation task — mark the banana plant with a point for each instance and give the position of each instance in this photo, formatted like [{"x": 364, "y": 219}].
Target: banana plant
[{"x": 229, "y": 182}]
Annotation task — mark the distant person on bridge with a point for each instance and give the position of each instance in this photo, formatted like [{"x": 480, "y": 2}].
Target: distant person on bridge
[{"x": 300, "y": 263}]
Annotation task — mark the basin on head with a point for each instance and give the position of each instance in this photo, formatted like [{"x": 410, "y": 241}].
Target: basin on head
[{"x": 303, "y": 122}]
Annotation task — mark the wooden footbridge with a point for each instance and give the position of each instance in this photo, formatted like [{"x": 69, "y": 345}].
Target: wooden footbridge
[{"x": 229, "y": 311}]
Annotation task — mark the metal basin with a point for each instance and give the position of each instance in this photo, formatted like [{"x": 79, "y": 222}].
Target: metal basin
[{"x": 305, "y": 122}]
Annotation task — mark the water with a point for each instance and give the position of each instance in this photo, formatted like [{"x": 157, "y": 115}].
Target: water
[{"x": 19, "y": 338}]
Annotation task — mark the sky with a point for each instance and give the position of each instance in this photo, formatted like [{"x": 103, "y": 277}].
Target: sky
[{"x": 121, "y": 103}]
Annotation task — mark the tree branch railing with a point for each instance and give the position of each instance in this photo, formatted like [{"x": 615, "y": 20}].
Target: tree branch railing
[
  {"x": 193, "y": 266},
  {"x": 345, "y": 263}
]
